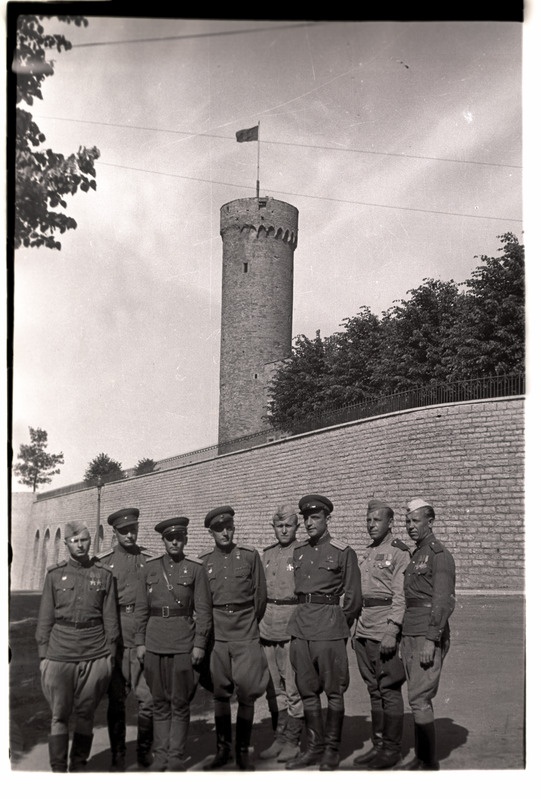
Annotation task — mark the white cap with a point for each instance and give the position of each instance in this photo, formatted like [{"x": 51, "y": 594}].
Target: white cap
[{"x": 417, "y": 503}]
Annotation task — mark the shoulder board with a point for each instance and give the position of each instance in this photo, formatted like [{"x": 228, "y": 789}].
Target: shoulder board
[
  {"x": 400, "y": 544},
  {"x": 151, "y": 555},
  {"x": 154, "y": 557},
  {"x": 57, "y": 565},
  {"x": 101, "y": 565},
  {"x": 104, "y": 554},
  {"x": 302, "y": 543},
  {"x": 193, "y": 559},
  {"x": 246, "y": 546},
  {"x": 204, "y": 554},
  {"x": 270, "y": 546},
  {"x": 338, "y": 544},
  {"x": 436, "y": 546}
]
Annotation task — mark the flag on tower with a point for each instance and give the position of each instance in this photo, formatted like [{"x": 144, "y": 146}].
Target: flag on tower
[{"x": 248, "y": 134}]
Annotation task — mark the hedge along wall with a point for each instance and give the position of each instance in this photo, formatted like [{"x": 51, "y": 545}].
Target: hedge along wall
[{"x": 466, "y": 458}]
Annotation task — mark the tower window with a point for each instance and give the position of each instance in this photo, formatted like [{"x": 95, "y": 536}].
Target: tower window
[
  {"x": 245, "y": 267},
  {"x": 255, "y": 377}
]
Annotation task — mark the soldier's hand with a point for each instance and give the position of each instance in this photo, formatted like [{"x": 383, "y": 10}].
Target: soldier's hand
[
  {"x": 388, "y": 644},
  {"x": 140, "y": 652},
  {"x": 426, "y": 656},
  {"x": 197, "y": 655}
]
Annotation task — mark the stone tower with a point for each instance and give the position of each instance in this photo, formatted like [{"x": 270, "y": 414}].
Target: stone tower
[{"x": 259, "y": 237}]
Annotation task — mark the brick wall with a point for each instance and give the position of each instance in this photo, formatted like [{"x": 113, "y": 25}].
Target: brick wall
[{"x": 466, "y": 458}]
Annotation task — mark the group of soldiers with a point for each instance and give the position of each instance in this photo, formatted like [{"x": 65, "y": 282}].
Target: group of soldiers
[{"x": 246, "y": 624}]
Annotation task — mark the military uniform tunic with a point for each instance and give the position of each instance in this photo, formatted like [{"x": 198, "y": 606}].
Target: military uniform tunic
[
  {"x": 429, "y": 589},
  {"x": 279, "y": 574},
  {"x": 127, "y": 569},
  {"x": 382, "y": 569},
  {"x": 236, "y": 578},
  {"x": 326, "y": 567},
  {"x": 77, "y": 594},
  {"x": 167, "y": 633}
]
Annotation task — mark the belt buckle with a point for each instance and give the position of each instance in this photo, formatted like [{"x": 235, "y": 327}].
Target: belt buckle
[
  {"x": 309, "y": 598},
  {"x": 165, "y": 611},
  {"x": 228, "y": 608}
]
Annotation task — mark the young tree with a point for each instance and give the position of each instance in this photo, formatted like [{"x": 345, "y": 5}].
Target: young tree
[
  {"x": 105, "y": 467},
  {"x": 42, "y": 177},
  {"x": 36, "y": 466},
  {"x": 145, "y": 466}
]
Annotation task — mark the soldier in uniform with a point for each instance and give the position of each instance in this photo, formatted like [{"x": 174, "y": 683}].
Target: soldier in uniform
[
  {"x": 77, "y": 634},
  {"x": 377, "y": 635},
  {"x": 283, "y": 697},
  {"x": 325, "y": 571},
  {"x": 173, "y": 621},
  {"x": 237, "y": 661},
  {"x": 429, "y": 588},
  {"x": 126, "y": 561}
]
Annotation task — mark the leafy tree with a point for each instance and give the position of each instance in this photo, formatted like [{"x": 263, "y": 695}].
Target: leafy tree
[
  {"x": 416, "y": 343},
  {"x": 145, "y": 466},
  {"x": 443, "y": 332},
  {"x": 492, "y": 335},
  {"x": 43, "y": 177},
  {"x": 298, "y": 388},
  {"x": 36, "y": 466},
  {"x": 105, "y": 467}
]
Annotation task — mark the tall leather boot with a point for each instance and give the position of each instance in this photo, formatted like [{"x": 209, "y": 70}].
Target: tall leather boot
[
  {"x": 425, "y": 749},
  {"x": 292, "y": 734},
  {"x": 390, "y": 753},
  {"x": 279, "y": 737},
  {"x": 333, "y": 737},
  {"x": 161, "y": 729},
  {"x": 314, "y": 733},
  {"x": 223, "y": 738},
  {"x": 116, "y": 727},
  {"x": 243, "y": 734},
  {"x": 80, "y": 751},
  {"x": 178, "y": 735},
  {"x": 58, "y": 752},
  {"x": 377, "y": 739},
  {"x": 145, "y": 734}
]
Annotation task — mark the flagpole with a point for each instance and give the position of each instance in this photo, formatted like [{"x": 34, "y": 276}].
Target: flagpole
[{"x": 258, "y": 139}]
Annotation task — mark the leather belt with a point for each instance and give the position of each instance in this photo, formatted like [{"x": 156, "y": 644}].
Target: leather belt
[
  {"x": 231, "y": 607},
  {"x": 283, "y": 601},
  {"x": 127, "y": 608},
  {"x": 376, "y": 602},
  {"x": 418, "y": 603},
  {"x": 319, "y": 599},
  {"x": 80, "y": 625},
  {"x": 166, "y": 612}
]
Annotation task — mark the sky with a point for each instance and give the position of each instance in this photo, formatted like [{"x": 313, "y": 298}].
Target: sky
[{"x": 400, "y": 143}]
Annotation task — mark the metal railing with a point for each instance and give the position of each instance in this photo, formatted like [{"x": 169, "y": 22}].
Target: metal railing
[
  {"x": 469, "y": 390},
  {"x": 477, "y": 388}
]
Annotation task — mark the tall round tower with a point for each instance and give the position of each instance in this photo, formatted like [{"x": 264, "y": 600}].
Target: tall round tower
[{"x": 259, "y": 237}]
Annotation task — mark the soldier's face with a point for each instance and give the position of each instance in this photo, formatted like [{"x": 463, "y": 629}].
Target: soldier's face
[
  {"x": 315, "y": 523},
  {"x": 127, "y": 536},
  {"x": 223, "y": 534},
  {"x": 378, "y": 524},
  {"x": 79, "y": 545},
  {"x": 285, "y": 530},
  {"x": 418, "y": 524},
  {"x": 174, "y": 543}
]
